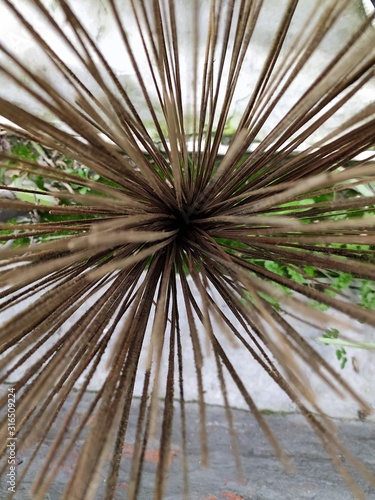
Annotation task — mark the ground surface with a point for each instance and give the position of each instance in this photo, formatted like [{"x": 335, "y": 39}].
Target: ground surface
[{"x": 264, "y": 477}]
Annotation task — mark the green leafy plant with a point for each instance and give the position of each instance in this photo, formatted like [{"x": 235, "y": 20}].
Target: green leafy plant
[
  {"x": 330, "y": 334},
  {"x": 331, "y": 337}
]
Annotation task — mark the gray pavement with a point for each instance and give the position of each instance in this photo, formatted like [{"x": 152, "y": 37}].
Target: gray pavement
[{"x": 264, "y": 478}]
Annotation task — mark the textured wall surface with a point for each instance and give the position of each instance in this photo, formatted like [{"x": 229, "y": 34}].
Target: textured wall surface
[{"x": 99, "y": 21}]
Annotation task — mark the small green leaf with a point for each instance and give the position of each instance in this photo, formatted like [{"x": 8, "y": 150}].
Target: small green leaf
[
  {"x": 295, "y": 275},
  {"x": 274, "y": 267},
  {"x": 318, "y": 305},
  {"x": 309, "y": 270}
]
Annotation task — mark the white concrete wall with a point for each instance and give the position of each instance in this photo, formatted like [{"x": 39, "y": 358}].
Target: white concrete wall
[{"x": 96, "y": 17}]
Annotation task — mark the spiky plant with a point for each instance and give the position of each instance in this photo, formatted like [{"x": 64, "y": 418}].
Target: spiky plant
[{"x": 172, "y": 222}]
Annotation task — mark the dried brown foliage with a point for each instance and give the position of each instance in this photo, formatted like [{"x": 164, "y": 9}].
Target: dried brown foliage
[{"x": 175, "y": 211}]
